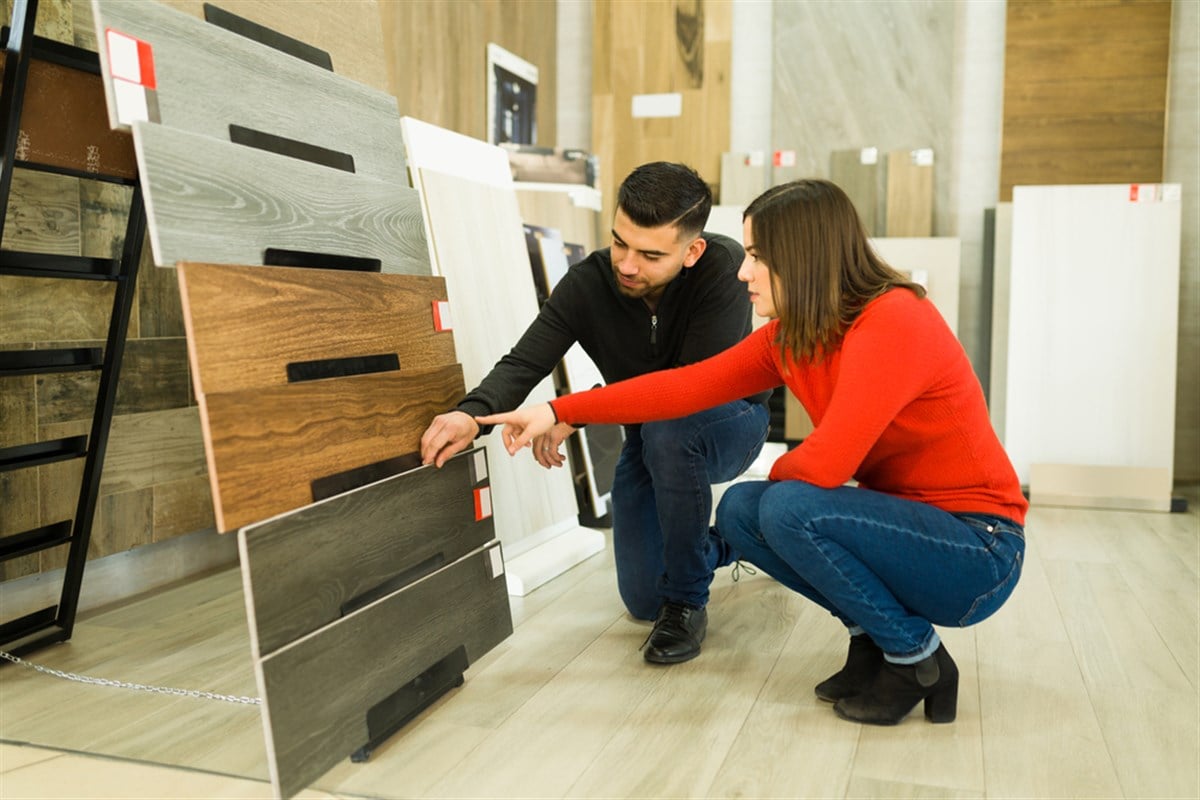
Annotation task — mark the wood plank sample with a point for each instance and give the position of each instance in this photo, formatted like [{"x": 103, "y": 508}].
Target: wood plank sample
[
  {"x": 309, "y": 564},
  {"x": 258, "y": 200},
  {"x": 265, "y": 446},
  {"x": 861, "y": 177},
  {"x": 743, "y": 178},
  {"x": 934, "y": 262},
  {"x": 246, "y": 324},
  {"x": 64, "y": 123},
  {"x": 317, "y": 691},
  {"x": 909, "y": 206},
  {"x": 195, "y": 64}
]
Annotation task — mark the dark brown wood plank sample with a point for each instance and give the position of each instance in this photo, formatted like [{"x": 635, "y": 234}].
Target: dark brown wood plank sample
[
  {"x": 317, "y": 691},
  {"x": 265, "y": 446},
  {"x": 308, "y": 565},
  {"x": 64, "y": 123},
  {"x": 195, "y": 64},
  {"x": 209, "y": 200},
  {"x": 245, "y": 325}
]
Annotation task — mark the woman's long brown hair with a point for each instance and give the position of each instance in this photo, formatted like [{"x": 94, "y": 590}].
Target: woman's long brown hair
[{"x": 824, "y": 270}]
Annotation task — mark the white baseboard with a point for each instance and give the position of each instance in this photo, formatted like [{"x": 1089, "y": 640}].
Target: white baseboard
[{"x": 537, "y": 565}]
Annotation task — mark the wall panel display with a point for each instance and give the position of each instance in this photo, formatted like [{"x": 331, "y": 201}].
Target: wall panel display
[{"x": 1092, "y": 327}]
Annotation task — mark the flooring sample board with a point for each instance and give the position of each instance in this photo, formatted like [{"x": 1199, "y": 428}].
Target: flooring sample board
[
  {"x": 179, "y": 70},
  {"x": 477, "y": 236},
  {"x": 743, "y": 178},
  {"x": 909, "y": 202},
  {"x": 728, "y": 221},
  {"x": 935, "y": 263},
  {"x": 1093, "y": 327},
  {"x": 1001, "y": 271},
  {"x": 251, "y": 327},
  {"x": 861, "y": 176},
  {"x": 307, "y": 566},
  {"x": 213, "y": 201},
  {"x": 571, "y": 209},
  {"x": 266, "y": 446},
  {"x": 1072, "y": 485},
  {"x": 64, "y": 123},
  {"x": 319, "y": 692}
]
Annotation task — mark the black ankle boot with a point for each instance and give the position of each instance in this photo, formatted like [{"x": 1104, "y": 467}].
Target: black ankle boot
[
  {"x": 898, "y": 688},
  {"x": 862, "y": 662}
]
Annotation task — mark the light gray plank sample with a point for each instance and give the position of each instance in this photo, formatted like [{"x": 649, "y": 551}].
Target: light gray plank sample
[
  {"x": 861, "y": 177},
  {"x": 208, "y": 200},
  {"x": 305, "y": 566},
  {"x": 246, "y": 325},
  {"x": 317, "y": 691},
  {"x": 208, "y": 78}
]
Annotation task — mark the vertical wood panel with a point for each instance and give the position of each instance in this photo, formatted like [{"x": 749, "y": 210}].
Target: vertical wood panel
[
  {"x": 437, "y": 61},
  {"x": 1085, "y": 92},
  {"x": 654, "y": 48}
]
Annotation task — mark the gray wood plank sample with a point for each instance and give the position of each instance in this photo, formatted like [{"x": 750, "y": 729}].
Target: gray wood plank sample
[
  {"x": 317, "y": 691},
  {"x": 307, "y": 565},
  {"x": 208, "y": 200},
  {"x": 265, "y": 446},
  {"x": 208, "y": 78},
  {"x": 860, "y": 174},
  {"x": 245, "y": 325}
]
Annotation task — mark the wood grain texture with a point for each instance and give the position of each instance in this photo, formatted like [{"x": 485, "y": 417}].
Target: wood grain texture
[
  {"x": 54, "y": 19},
  {"x": 577, "y": 223},
  {"x": 742, "y": 181},
  {"x": 1085, "y": 93},
  {"x": 437, "y": 62},
  {"x": 40, "y": 310},
  {"x": 246, "y": 324},
  {"x": 154, "y": 377},
  {"x": 265, "y": 446},
  {"x": 181, "y": 507},
  {"x": 357, "y": 662},
  {"x": 909, "y": 203},
  {"x": 122, "y": 522},
  {"x": 196, "y": 63},
  {"x": 305, "y": 565},
  {"x": 42, "y": 214},
  {"x": 259, "y": 200},
  {"x": 64, "y": 123}
]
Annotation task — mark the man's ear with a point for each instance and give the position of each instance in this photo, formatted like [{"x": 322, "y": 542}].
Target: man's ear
[{"x": 694, "y": 251}]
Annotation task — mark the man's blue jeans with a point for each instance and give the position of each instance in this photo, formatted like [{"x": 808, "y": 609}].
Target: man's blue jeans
[
  {"x": 882, "y": 564},
  {"x": 662, "y": 502}
]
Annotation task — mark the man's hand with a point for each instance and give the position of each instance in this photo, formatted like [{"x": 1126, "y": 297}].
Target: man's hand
[
  {"x": 448, "y": 434},
  {"x": 524, "y": 425}
]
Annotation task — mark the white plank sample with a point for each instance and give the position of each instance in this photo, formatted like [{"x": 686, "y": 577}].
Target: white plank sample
[
  {"x": 1001, "y": 270},
  {"x": 934, "y": 262},
  {"x": 217, "y": 202},
  {"x": 1092, "y": 326},
  {"x": 478, "y": 239},
  {"x": 207, "y": 78}
]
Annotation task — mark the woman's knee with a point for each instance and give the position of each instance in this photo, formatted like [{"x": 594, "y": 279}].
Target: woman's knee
[
  {"x": 737, "y": 513},
  {"x": 785, "y": 512}
]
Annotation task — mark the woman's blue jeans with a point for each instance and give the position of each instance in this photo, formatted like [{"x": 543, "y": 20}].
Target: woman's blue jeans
[
  {"x": 891, "y": 567},
  {"x": 662, "y": 502}
]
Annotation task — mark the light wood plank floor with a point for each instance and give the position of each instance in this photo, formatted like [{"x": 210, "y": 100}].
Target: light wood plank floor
[{"x": 1084, "y": 685}]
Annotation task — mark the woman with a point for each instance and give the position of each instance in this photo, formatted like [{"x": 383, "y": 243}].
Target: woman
[{"x": 933, "y": 531}]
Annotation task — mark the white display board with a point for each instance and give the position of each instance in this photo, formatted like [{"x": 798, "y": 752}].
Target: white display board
[{"x": 1093, "y": 327}]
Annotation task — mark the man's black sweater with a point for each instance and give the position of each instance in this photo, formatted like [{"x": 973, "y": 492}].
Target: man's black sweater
[{"x": 703, "y": 311}]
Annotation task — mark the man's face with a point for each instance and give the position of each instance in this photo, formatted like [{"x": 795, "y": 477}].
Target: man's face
[{"x": 645, "y": 260}]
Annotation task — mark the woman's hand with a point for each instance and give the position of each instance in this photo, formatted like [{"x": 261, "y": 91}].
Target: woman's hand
[{"x": 522, "y": 426}]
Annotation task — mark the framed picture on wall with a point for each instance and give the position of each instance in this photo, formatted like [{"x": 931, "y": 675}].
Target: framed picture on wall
[{"x": 511, "y": 97}]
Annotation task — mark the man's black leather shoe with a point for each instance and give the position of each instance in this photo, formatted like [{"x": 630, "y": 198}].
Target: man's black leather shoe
[{"x": 677, "y": 634}]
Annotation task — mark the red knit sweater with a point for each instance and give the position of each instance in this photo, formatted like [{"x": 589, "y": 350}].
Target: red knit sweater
[{"x": 896, "y": 407}]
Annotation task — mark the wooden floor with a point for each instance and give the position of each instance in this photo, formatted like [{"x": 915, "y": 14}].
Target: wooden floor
[{"x": 1084, "y": 685}]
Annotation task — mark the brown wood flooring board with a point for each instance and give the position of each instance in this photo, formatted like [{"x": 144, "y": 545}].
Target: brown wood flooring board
[
  {"x": 208, "y": 200},
  {"x": 317, "y": 691},
  {"x": 307, "y": 565},
  {"x": 245, "y": 325},
  {"x": 64, "y": 123},
  {"x": 909, "y": 194},
  {"x": 265, "y": 446},
  {"x": 208, "y": 78}
]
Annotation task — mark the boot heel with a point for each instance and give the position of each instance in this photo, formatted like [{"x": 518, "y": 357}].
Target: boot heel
[{"x": 942, "y": 705}]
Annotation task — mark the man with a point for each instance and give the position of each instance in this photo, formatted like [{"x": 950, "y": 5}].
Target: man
[{"x": 664, "y": 294}]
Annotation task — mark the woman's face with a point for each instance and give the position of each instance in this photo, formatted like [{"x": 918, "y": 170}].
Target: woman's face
[{"x": 757, "y": 277}]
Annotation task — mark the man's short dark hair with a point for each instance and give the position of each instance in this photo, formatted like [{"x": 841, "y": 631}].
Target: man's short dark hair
[{"x": 661, "y": 193}]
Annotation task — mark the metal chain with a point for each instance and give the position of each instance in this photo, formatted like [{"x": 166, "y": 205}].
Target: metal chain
[{"x": 136, "y": 687}]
